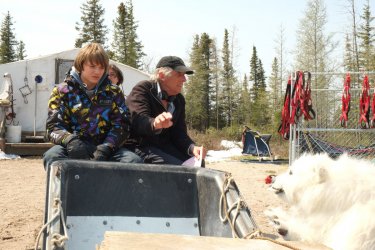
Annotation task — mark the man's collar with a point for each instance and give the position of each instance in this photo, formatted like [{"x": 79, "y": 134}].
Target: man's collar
[{"x": 160, "y": 92}]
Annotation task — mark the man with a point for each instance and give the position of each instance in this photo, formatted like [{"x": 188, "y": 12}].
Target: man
[
  {"x": 87, "y": 116},
  {"x": 157, "y": 110}
]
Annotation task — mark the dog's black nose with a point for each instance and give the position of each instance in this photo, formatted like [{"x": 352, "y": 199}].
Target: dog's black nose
[
  {"x": 282, "y": 231},
  {"x": 278, "y": 190}
]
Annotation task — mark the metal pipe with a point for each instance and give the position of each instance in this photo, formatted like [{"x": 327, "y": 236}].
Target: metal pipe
[{"x": 344, "y": 73}]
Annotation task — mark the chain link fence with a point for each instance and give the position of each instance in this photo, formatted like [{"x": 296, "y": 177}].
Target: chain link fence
[{"x": 325, "y": 133}]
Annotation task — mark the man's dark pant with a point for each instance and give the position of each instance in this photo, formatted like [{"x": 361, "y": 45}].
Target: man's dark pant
[{"x": 167, "y": 154}]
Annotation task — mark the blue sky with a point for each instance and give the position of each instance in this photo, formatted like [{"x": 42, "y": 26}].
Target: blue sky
[{"x": 167, "y": 27}]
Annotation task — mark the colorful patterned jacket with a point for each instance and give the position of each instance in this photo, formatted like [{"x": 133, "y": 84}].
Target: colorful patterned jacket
[{"x": 103, "y": 118}]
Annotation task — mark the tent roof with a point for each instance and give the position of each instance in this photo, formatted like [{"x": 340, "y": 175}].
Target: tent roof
[{"x": 73, "y": 53}]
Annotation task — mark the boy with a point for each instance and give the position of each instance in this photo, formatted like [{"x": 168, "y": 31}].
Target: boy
[{"x": 87, "y": 115}]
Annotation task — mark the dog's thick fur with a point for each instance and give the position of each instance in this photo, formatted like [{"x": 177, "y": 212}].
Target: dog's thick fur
[{"x": 332, "y": 202}]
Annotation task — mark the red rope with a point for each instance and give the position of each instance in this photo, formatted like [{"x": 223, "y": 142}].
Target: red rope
[
  {"x": 345, "y": 99},
  {"x": 364, "y": 104}
]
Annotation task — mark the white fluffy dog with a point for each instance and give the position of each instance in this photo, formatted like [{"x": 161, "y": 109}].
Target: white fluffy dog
[{"x": 332, "y": 202}]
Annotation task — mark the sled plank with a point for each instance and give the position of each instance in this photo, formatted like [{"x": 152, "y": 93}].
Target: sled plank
[{"x": 137, "y": 241}]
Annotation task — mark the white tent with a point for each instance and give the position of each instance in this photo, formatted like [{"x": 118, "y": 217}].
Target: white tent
[{"x": 34, "y": 79}]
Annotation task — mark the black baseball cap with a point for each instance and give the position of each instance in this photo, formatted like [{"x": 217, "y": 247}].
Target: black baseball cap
[{"x": 175, "y": 63}]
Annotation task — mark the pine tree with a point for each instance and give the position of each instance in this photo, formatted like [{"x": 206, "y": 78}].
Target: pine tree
[
  {"x": 8, "y": 42},
  {"x": 197, "y": 96},
  {"x": 276, "y": 98},
  {"x": 215, "y": 87},
  {"x": 236, "y": 104},
  {"x": 120, "y": 43},
  {"x": 228, "y": 82},
  {"x": 260, "y": 115},
  {"x": 126, "y": 47},
  {"x": 244, "y": 103},
  {"x": 204, "y": 47},
  {"x": 21, "y": 51},
  {"x": 366, "y": 38},
  {"x": 191, "y": 88},
  {"x": 261, "y": 76},
  {"x": 254, "y": 74},
  {"x": 263, "y": 101},
  {"x": 92, "y": 28}
]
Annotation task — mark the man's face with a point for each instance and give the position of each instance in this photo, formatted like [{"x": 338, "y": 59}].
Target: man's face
[
  {"x": 91, "y": 73},
  {"x": 173, "y": 83}
]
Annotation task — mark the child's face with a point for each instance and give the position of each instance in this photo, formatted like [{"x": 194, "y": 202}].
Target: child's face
[
  {"x": 112, "y": 76},
  {"x": 91, "y": 74}
]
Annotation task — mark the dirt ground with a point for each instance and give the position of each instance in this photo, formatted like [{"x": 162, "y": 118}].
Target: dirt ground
[{"x": 22, "y": 197}]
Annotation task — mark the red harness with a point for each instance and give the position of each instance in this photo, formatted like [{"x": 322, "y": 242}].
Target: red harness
[
  {"x": 345, "y": 102},
  {"x": 285, "y": 113},
  {"x": 307, "y": 110},
  {"x": 372, "y": 120},
  {"x": 296, "y": 104},
  {"x": 297, "y": 98},
  {"x": 301, "y": 100},
  {"x": 364, "y": 104}
]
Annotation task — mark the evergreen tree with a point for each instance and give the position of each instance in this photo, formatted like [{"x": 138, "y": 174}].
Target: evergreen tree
[
  {"x": 228, "y": 82},
  {"x": 92, "y": 28},
  {"x": 8, "y": 42},
  {"x": 21, "y": 51},
  {"x": 237, "y": 120},
  {"x": 205, "y": 51},
  {"x": 126, "y": 47},
  {"x": 244, "y": 103},
  {"x": 366, "y": 38},
  {"x": 215, "y": 88},
  {"x": 260, "y": 115},
  {"x": 261, "y": 76},
  {"x": 197, "y": 96},
  {"x": 276, "y": 98},
  {"x": 191, "y": 88},
  {"x": 254, "y": 74}
]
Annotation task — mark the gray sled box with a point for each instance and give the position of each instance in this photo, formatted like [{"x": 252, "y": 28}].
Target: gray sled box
[{"x": 84, "y": 199}]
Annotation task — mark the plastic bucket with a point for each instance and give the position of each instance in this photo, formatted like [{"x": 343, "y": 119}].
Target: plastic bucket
[{"x": 13, "y": 134}]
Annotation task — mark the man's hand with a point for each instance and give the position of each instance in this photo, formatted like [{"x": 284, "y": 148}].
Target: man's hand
[
  {"x": 164, "y": 120},
  {"x": 198, "y": 150}
]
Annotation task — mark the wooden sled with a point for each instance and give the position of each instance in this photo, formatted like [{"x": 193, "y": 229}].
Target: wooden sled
[{"x": 85, "y": 199}]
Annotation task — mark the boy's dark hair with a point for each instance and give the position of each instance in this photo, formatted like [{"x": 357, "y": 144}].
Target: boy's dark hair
[{"x": 93, "y": 53}]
